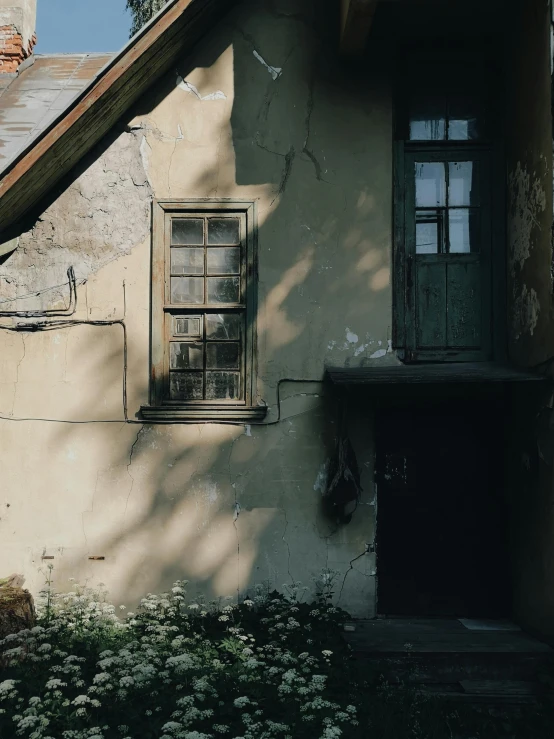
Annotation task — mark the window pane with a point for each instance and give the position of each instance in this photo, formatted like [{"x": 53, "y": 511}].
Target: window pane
[
  {"x": 463, "y": 225},
  {"x": 186, "y": 356},
  {"x": 187, "y": 261},
  {"x": 428, "y": 118},
  {"x": 223, "y": 326},
  {"x": 187, "y": 289},
  {"x": 223, "y": 231},
  {"x": 224, "y": 260},
  {"x": 187, "y": 325},
  {"x": 429, "y": 232},
  {"x": 187, "y": 231},
  {"x": 223, "y": 385},
  {"x": 464, "y": 118},
  {"x": 223, "y": 289},
  {"x": 463, "y": 187},
  {"x": 186, "y": 385},
  {"x": 430, "y": 184},
  {"x": 222, "y": 356}
]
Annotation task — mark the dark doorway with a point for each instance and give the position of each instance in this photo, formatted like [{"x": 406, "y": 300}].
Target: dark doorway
[{"x": 441, "y": 519}]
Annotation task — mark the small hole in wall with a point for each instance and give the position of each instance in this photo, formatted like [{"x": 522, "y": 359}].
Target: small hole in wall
[
  {"x": 47, "y": 557},
  {"x": 97, "y": 558}
]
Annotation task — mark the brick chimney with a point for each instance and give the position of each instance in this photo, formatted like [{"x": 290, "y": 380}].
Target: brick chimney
[{"x": 17, "y": 33}]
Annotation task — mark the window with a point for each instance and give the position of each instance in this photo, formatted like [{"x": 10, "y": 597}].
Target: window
[
  {"x": 445, "y": 292},
  {"x": 203, "y": 311}
]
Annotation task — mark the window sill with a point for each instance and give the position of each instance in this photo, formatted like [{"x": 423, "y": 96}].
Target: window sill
[{"x": 199, "y": 414}]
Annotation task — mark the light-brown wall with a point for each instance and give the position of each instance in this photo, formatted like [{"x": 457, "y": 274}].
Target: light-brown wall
[{"x": 223, "y": 506}]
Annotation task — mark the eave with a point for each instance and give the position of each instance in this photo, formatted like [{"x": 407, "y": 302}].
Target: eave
[
  {"x": 432, "y": 374},
  {"x": 174, "y": 31}
]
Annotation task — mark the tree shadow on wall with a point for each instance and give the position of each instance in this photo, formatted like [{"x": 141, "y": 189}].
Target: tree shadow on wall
[{"x": 228, "y": 505}]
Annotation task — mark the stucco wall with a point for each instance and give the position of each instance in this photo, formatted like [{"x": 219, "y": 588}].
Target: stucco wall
[
  {"x": 263, "y": 112},
  {"x": 529, "y": 439}
]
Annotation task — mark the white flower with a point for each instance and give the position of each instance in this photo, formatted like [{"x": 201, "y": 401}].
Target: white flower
[
  {"x": 7, "y": 686},
  {"x": 171, "y": 726},
  {"x": 54, "y": 683},
  {"x": 81, "y": 700},
  {"x": 241, "y": 702},
  {"x": 248, "y": 602},
  {"x": 223, "y": 618},
  {"x": 327, "y": 652},
  {"x": 102, "y": 677}
]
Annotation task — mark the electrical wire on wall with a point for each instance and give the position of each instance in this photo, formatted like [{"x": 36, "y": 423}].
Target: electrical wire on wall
[
  {"x": 53, "y": 325},
  {"x": 69, "y": 311}
]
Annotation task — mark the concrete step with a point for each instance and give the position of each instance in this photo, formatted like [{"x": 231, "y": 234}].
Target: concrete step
[
  {"x": 431, "y": 651},
  {"x": 485, "y": 692},
  {"x": 453, "y": 668}
]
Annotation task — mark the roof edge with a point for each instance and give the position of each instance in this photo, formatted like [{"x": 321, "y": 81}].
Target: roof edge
[{"x": 174, "y": 30}]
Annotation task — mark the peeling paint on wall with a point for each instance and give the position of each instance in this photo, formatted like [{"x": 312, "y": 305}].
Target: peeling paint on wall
[
  {"x": 321, "y": 479},
  {"x": 378, "y": 354},
  {"x": 189, "y": 87},
  {"x": 525, "y": 312},
  {"x": 527, "y": 203},
  {"x": 275, "y": 72},
  {"x": 351, "y": 337},
  {"x": 527, "y": 200},
  {"x": 100, "y": 217}
]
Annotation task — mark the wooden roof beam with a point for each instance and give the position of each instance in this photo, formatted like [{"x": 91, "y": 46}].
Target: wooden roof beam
[{"x": 356, "y": 17}]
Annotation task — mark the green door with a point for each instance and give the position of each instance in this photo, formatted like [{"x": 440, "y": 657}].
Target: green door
[{"x": 448, "y": 255}]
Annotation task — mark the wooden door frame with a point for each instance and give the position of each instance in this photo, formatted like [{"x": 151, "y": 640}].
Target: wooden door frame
[{"x": 403, "y": 328}]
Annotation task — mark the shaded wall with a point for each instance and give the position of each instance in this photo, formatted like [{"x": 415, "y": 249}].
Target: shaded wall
[
  {"x": 263, "y": 112},
  {"x": 529, "y": 439}
]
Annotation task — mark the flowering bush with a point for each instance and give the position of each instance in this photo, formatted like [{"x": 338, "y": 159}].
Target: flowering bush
[{"x": 269, "y": 666}]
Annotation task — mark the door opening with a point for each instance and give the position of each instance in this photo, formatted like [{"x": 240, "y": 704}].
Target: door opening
[{"x": 441, "y": 519}]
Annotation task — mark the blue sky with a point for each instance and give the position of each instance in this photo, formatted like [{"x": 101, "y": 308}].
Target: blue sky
[{"x": 81, "y": 25}]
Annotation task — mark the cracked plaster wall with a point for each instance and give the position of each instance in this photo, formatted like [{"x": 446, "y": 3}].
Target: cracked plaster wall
[
  {"x": 530, "y": 439},
  {"x": 529, "y": 183},
  {"x": 263, "y": 112}
]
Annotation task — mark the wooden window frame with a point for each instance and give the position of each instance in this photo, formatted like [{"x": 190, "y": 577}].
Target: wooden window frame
[{"x": 161, "y": 407}]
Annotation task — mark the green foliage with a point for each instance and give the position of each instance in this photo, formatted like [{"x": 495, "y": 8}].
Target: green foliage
[
  {"x": 177, "y": 670},
  {"x": 269, "y": 666},
  {"x": 142, "y": 11}
]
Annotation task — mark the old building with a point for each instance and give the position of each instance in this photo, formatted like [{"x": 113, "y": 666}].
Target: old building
[{"x": 266, "y": 242}]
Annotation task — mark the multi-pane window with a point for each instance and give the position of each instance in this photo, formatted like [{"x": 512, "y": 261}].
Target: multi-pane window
[
  {"x": 205, "y": 334},
  {"x": 203, "y": 306},
  {"x": 447, "y": 207}
]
